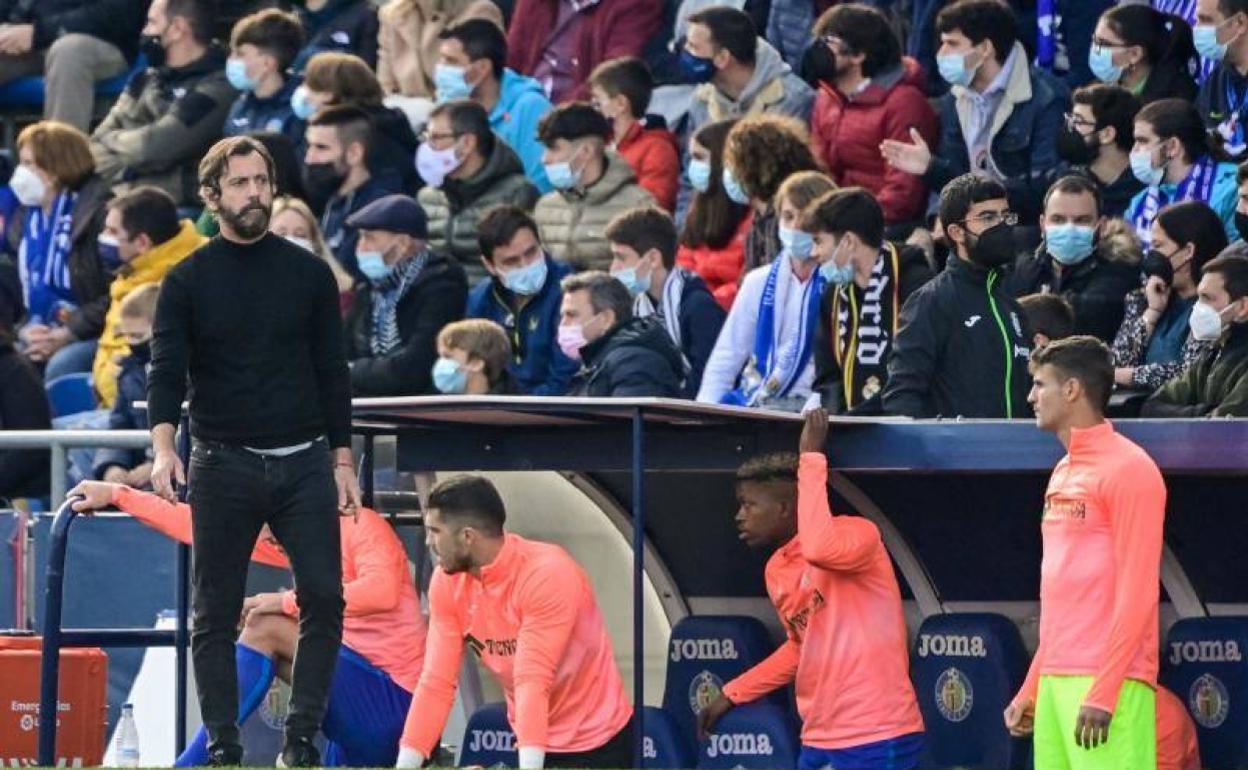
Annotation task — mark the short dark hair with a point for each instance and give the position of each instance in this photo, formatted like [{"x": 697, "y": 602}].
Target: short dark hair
[
  {"x": 1195, "y": 223},
  {"x": 148, "y": 210},
  {"x": 1166, "y": 39},
  {"x": 481, "y": 39},
  {"x": 1112, "y": 106},
  {"x": 216, "y": 162},
  {"x": 965, "y": 191},
  {"x": 847, "y": 210},
  {"x": 1241, "y": 173},
  {"x": 605, "y": 293},
  {"x": 275, "y": 32},
  {"x": 1229, "y": 8},
  {"x": 470, "y": 501},
  {"x": 730, "y": 29},
  {"x": 980, "y": 20},
  {"x": 468, "y": 117},
  {"x": 645, "y": 228},
  {"x": 777, "y": 466},
  {"x": 499, "y": 227},
  {"x": 629, "y": 76},
  {"x": 1075, "y": 184},
  {"x": 1082, "y": 358},
  {"x": 1178, "y": 118},
  {"x": 345, "y": 77},
  {"x": 1048, "y": 314},
  {"x": 865, "y": 30},
  {"x": 1234, "y": 272},
  {"x": 200, "y": 15},
  {"x": 572, "y": 121},
  {"x": 350, "y": 123}
]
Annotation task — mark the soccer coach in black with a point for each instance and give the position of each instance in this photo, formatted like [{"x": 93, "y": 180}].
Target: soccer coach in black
[{"x": 253, "y": 320}]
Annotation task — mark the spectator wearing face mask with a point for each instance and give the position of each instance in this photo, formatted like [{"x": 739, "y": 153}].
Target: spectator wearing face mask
[
  {"x": 262, "y": 47},
  {"x": 409, "y": 40},
  {"x": 962, "y": 347},
  {"x": 712, "y": 239},
  {"x": 410, "y": 292},
  {"x": 591, "y": 185},
  {"x": 1153, "y": 344},
  {"x": 1096, "y": 140},
  {"x": 1080, "y": 259},
  {"x": 869, "y": 280},
  {"x": 1221, "y": 35},
  {"x": 1145, "y": 51},
  {"x": 473, "y": 359},
  {"x": 621, "y": 356},
  {"x": 468, "y": 171},
  {"x": 1216, "y": 384},
  {"x": 124, "y": 466},
  {"x": 522, "y": 295}
]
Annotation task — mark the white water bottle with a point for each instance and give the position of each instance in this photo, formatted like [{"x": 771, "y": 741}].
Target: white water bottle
[{"x": 127, "y": 738}]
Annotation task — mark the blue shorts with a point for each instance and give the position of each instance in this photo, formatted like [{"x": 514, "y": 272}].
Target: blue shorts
[
  {"x": 364, "y": 720},
  {"x": 901, "y": 753}
]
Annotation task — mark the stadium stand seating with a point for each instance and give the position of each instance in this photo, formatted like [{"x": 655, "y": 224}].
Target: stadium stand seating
[
  {"x": 70, "y": 394},
  {"x": 488, "y": 738},
  {"x": 1203, "y": 663},
  {"x": 664, "y": 745},
  {"x": 756, "y": 735}
]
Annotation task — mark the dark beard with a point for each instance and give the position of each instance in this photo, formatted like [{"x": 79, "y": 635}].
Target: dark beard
[{"x": 246, "y": 223}]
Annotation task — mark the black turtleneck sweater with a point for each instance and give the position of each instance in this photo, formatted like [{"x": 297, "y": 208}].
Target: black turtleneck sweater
[{"x": 257, "y": 329}]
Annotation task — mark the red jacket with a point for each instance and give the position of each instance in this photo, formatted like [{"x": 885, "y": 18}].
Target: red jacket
[
  {"x": 719, "y": 268},
  {"x": 609, "y": 28},
  {"x": 655, "y": 159},
  {"x": 846, "y": 133}
]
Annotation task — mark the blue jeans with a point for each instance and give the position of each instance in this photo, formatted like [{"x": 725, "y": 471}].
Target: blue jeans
[{"x": 71, "y": 359}]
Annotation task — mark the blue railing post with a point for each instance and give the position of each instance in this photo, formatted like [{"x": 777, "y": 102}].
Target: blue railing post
[{"x": 50, "y": 664}]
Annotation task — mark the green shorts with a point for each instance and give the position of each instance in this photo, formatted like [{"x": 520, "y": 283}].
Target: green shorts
[{"x": 1132, "y": 740}]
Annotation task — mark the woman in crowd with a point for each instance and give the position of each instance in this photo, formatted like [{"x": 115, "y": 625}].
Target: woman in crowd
[
  {"x": 472, "y": 359},
  {"x": 1145, "y": 51},
  {"x": 53, "y": 233},
  {"x": 1154, "y": 344},
  {"x": 712, "y": 241},
  {"x": 294, "y": 221}
]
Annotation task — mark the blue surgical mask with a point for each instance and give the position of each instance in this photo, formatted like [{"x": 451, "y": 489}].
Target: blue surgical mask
[
  {"x": 527, "y": 280},
  {"x": 561, "y": 175},
  {"x": 700, "y": 175},
  {"x": 636, "y": 285},
  {"x": 696, "y": 69},
  {"x": 837, "y": 275},
  {"x": 1101, "y": 62},
  {"x": 732, "y": 188},
  {"x": 954, "y": 70},
  {"x": 373, "y": 265},
  {"x": 449, "y": 377},
  {"x": 301, "y": 105},
  {"x": 451, "y": 82},
  {"x": 1205, "y": 36},
  {"x": 110, "y": 256},
  {"x": 236, "y": 73},
  {"x": 798, "y": 244},
  {"x": 1069, "y": 244},
  {"x": 1142, "y": 167}
]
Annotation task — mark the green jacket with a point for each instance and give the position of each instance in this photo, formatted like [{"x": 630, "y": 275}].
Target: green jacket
[
  {"x": 1216, "y": 385},
  {"x": 455, "y": 208}
]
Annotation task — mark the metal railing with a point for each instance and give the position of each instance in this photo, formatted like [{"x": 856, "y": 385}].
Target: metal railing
[{"x": 61, "y": 441}]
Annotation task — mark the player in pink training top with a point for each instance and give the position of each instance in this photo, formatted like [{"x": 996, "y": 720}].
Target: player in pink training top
[
  {"x": 528, "y": 611},
  {"x": 833, "y": 585}
]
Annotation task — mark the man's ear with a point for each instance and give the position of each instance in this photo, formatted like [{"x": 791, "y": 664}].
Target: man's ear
[
  {"x": 355, "y": 154},
  {"x": 1039, "y": 340}
]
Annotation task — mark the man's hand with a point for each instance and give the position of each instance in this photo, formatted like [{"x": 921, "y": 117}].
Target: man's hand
[
  {"x": 44, "y": 341},
  {"x": 117, "y": 475},
  {"x": 914, "y": 158},
  {"x": 17, "y": 39},
  {"x": 348, "y": 485},
  {"x": 262, "y": 604},
  {"x": 95, "y": 496},
  {"x": 1020, "y": 717},
  {"x": 815, "y": 432},
  {"x": 139, "y": 476},
  {"x": 1092, "y": 727},
  {"x": 166, "y": 469},
  {"x": 1157, "y": 293},
  {"x": 710, "y": 716}
]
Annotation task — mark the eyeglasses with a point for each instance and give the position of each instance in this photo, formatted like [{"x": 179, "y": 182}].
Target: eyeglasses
[
  {"x": 429, "y": 136},
  {"x": 992, "y": 218},
  {"x": 1075, "y": 121}
]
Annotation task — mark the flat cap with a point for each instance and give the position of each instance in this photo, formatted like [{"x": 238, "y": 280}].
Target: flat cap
[{"x": 394, "y": 214}]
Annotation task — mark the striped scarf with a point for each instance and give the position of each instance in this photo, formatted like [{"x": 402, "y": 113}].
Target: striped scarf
[{"x": 387, "y": 293}]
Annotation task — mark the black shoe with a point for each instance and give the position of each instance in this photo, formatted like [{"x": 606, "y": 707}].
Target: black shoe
[
  {"x": 299, "y": 752},
  {"x": 225, "y": 755}
]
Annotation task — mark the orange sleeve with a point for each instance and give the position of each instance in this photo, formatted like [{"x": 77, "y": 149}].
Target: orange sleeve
[
  {"x": 1031, "y": 685},
  {"x": 380, "y": 568},
  {"x": 845, "y": 543},
  {"x": 1137, "y": 506},
  {"x": 550, "y": 601},
  {"x": 435, "y": 692},
  {"x": 776, "y": 670}
]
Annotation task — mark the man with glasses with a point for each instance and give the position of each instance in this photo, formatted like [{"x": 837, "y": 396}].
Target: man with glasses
[
  {"x": 963, "y": 345},
  {"x": 467, "y": 171},
  {"x": 1096, "y": 141}
]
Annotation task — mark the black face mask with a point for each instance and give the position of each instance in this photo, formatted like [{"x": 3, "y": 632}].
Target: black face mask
[
  {"x": 1157, "y": 264},
  {"x": 993, "y": 247},
  {"x": 1241, "y": 225},
  {"x": 142, "y": 351},
  {"x": 151, "y": 47},
  {"x": 818, "y": 64},
  {"x": 1074, "y": 148},
  {"x": 322, "y": 180}
]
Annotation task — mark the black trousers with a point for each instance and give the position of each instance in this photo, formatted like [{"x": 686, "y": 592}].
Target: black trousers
[
  {"x": 615, "y": 753},
  {"x": 233, "y": 493}
]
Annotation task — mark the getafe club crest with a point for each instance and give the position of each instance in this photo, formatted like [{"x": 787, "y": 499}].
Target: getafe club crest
[
  {"x": 704, "y": 688},
  {"x": 276, "y": 705},
  {"x": 954, "y": 695},
  {"x": 1208, "y": 701}
]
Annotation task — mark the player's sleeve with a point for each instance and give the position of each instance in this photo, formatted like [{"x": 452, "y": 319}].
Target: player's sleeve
[
  {"x": 168, "y": 519},
  {"x": 435, "y": 692},
  {"x": 1031, "y": 685},
  {"x": 776, "y": 670},
  {"x": 844, "y": 543},
  {"x": 1136, "y": 500},
  {"x": 380, "y": 568},
  {"x": 550, "y": 601}
]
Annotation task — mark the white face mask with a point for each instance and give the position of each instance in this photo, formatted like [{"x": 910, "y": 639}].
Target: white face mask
[
  {"x": 302, "y": 243},
  {"x": 27, "y": 186},
  {"x": 1205, "y": 322}
]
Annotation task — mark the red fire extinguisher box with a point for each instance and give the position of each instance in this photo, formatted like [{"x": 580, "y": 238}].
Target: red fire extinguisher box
[{"x": 82, "y": 709}]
